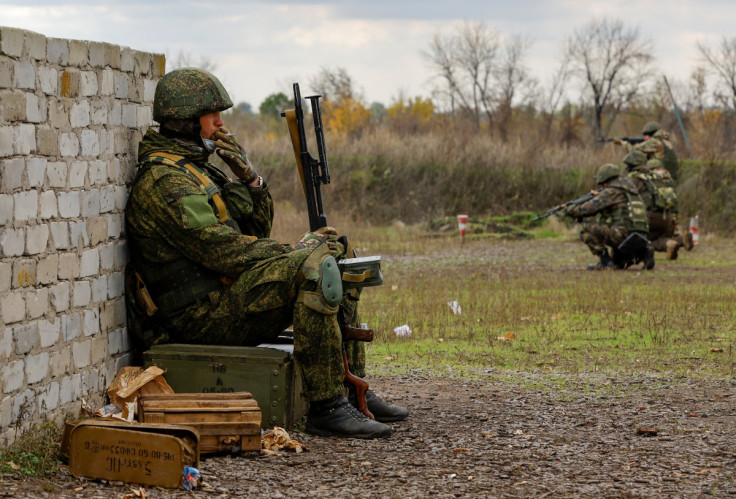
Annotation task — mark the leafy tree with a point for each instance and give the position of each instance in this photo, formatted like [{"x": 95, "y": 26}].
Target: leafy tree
[{"x": 274, "y": 105}]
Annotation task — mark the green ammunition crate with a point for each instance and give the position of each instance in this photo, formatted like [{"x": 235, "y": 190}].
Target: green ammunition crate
[{"x": 268, "y": 372}]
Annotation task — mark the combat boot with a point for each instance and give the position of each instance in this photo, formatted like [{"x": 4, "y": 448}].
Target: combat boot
[
  {"x": 605, "y": 262},
  {"x": 672, "y": 248},
  {"x": 335, "y": 417},
  {"x": 649, "y": 259},
  {"x": 688, "y": 241},
  {"x": 381, "y": 410}
]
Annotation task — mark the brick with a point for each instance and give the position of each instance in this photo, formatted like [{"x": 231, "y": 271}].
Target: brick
[
  {"x": 12, "y": 173},
  {"x": 60, "y": 362},
  {"x": 36, "y": 171},
  {"x": 48, "y": 332},
  {"x": 121, "y": 197},
  {"x": 90, "y": 382},
  {"x": 144, "y": 116},
  {"x": 23, "y": 406},
  {"x": 49, "y": 208},
  {"x": 135, "y": 90},
  {"x": 99, "y": 351},
  {"x": 107, "y": 199},
  {"x": 11, "y": 41},
  {"x": 13, "y": 375},
  {"x": 91, "y": 322},
  {"x": 158, "y": 65},
  {"x": 98, "y": 113},
  {"x": 97, "y": 54},
  {"x": 89, "y": 263},
  {"x": 88, "y": 83},
  {"x": 6, "y": 72},
  {"x": 78, "y": 173},
  {"x": 6, "y": 273},
  {"x": 116, "y": 285},
  {"x": 97, "y": 171},
  {"x": 13, "y": 106},
  {"x": 99, "y": 289},
  {"x": 57, "y": 51},
  {"x": 113, "y": 169},
  {"x": 35, "y": 46},
  {"x": 90, "y": 203},
  {"x": 13, "y": 307},
  {"x": 24, "y": 273},
  {"x": 12, "y": 242},
  {"x": 69, "y": 144},
  {"x": 121, "y": 85},
  {"x": 149, "y": 90},
  {"x": 70, "y": 388},
  {"x": 25, "y": 337},
  {"x": 47, "y": 269},
  {"x": 37, "y": 367},
  {"x": 26, "y": 205},
  {"x": 69, "y": 205},
  {"x": 115, "y": 341},
  {"x": 6, "y": 342},
  {"x": 78, "y": 53},
  {"x": 35, "y": 108},
  {"x": 47, "y": 142},
  {"x": 37, "y": 303},
  {"x": 37, "y": 239},
  {"x": 81, "y": 294},
  {"x": 78, "y": 234},
  {"x": 59, "y": 296},
  {"x": 120, "y": 311},
  {"x": 49, "y": 79},
  {"x": 90, "y": 143},
  {"x": 6, "y": 209},
  {"x": 79, "y": 116},
  {"x": 24, "y": 139},
  {"x": 60, "y": 234},
  {"x": 48, "y": 398},
  {"x": 24, "y": 75},
  {"x": 116, "y": 115},
  {"x": 68, "y": 266},
  {"x": 121, "y": 255},
  {"x": 130, "y": 118},
  {"x": 71, "y": 326},
  {"x": 69, "y": 83},
  {"x": 97, "y": 230},
  {"x": 81, "y": 353},
  {"x": 57, "y": 173},
  {"x": 6, "y": 141},
  {"x": 58, "y": 115},
  {"x": 6, "y": 411}
]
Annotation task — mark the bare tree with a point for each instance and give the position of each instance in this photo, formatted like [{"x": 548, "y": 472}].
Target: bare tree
[
  {"x": 185, "y": 60},
  {"x": 722, "y": 62},
  {"x": 554, "y": 92},
  {"x": 511, "y": 80},
  {"x": 613, "y": 62},
  {"x": 335, "y": 85}
]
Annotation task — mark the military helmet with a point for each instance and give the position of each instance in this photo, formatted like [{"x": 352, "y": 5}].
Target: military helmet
[
  {"x": 607, "y": 172},
  {"x": 654, "y": 163},
  {"x": 650, "y": 128},
  {"x": 188, "y": 93},
  {"x": 635, "y": 158}
]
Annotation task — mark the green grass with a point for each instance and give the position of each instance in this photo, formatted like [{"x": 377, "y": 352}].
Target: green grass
[
  {"x": 36, "y": 453},
  {"x": 676, "y": 320}
]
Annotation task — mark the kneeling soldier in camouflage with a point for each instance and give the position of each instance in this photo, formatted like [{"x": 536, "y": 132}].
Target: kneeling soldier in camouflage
[
  {"x": 619, "y": 212},
  {"x": 200, "y": 244}
]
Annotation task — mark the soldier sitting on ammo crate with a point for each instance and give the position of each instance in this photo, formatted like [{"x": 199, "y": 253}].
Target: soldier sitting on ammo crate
[{"x": 200, "y": 248}]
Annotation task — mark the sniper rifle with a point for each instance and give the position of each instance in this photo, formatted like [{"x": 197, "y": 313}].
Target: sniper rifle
[
  {"x": 314, "y": 172},
  {"x": 574, "y": 202}
]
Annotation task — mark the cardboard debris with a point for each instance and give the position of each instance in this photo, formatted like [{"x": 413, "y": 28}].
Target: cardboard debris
[
  {"x": 278, "y": 439},
  {"x": 131, "y": 382}
]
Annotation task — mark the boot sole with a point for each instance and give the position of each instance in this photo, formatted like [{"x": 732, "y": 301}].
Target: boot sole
[
  {"x": 366, "y": 436},
  {"x": 391, "y": 419}
]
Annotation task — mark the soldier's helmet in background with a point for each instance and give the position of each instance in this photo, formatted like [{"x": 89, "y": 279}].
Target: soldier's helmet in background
[
  {"x": 635, "y": 158},
  {"x": 188, "y": 93},
  {"x": 650, "y": 128},
  {"x": 607, "y": 172}
]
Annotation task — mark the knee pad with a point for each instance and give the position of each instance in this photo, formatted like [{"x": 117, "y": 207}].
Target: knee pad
[{"x": 321, "y": 268}]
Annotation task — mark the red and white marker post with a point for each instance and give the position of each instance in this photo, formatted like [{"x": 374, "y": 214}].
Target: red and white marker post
[
  {"x": 694, "y": 229},
  {"x": 462, "y": 225}
]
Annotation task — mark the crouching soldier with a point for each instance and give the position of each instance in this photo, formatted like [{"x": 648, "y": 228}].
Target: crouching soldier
[
  {"x": 200, "y": 244},
  {"x": 619, "y": 213}
]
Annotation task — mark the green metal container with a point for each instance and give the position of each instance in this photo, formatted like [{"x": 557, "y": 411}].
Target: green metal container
[{"x": 268, "y": 372}]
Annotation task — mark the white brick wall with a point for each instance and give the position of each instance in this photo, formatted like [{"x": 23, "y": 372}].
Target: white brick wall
[{"x": 73, "y": 110}]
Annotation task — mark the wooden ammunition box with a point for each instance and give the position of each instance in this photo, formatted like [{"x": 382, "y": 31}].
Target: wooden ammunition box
[
  {"x": 268, "y": 373},
  {"x": 148, "y": 454},
  {"x": 226, "y": 422}
]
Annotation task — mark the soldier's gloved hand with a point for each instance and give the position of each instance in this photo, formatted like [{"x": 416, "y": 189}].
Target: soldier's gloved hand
[
  {"x": 234, "y": 155},
  {"x": 311, "y": 239}
]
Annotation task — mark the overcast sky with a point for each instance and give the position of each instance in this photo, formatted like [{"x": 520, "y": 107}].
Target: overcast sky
[{"x": 263, "y": 46}]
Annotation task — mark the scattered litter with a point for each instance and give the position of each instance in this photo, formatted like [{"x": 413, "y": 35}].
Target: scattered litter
[
  {"x": 716, "y": 350},
  {"x": 12, "y": 465},
  {"x": 403, "y": 331},
  {"x": 462, "y": 449},
  {"x": 506, "y": 337},
  {"x": 455, "y": 307},
  {"x": 394, "y": 287},
  {"x": 139, "y": 492},
  {"x": 110, "y": 410},
  {"x": 278, "y": 439},
  {"x": 191, "y": 478},
  {"x": 647, "y": 432}
]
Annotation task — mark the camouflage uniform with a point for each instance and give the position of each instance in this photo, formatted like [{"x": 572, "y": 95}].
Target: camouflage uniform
[
  {"x": 254, "y": 281},
  {"x": 660, "y": 147},
  {"x": 618, "y": 209}
]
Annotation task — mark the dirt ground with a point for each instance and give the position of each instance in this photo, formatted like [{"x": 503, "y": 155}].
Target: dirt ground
[{"x": 524, "y": 435}]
